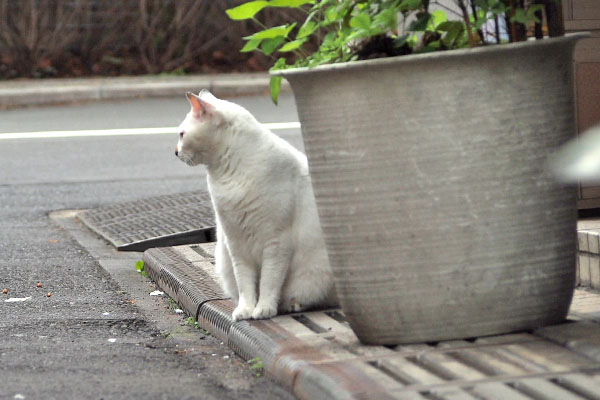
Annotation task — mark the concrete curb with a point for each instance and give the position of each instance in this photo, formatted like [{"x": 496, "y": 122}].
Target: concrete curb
[
  {"x": 282, "y": 354},
  {"x": 21, "y": 93}
]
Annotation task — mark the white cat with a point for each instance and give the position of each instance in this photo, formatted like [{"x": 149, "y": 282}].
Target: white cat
[{"x": 270, "y": 253}]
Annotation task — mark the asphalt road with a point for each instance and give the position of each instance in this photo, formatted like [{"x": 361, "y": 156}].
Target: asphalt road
[{"x": 100, "y": 335}]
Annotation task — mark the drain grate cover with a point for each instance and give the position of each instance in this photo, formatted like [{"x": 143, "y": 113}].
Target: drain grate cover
[{"x": 160, "y": 221}]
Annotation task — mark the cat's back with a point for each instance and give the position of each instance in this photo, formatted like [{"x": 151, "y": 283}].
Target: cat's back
[{"x": 258, "y": 148}]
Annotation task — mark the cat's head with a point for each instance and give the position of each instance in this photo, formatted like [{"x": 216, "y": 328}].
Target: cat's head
[{"x": 199, "y": 133}]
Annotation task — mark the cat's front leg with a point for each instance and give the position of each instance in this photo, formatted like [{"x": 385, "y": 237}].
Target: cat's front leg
[
  {"x": 245, "y": 276},
  {"x": 224, "y": 267},
  {"x": 273, "y": 272},
  {"x": 242, "y": 311}
]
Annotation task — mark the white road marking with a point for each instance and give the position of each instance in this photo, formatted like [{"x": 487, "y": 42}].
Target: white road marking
[{"x": 276, "y": 126}]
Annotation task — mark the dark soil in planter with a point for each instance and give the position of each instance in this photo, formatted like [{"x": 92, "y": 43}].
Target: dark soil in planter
[{"x": 381, "y": 46}]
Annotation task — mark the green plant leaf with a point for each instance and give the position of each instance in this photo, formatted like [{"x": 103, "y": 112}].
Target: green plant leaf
[
  {"x": 251, "y": 45},
  {"x": 293, "y": 45},
  {"x": 331, "y": 15},
  {"x": 139, "y": 266},
  {"x": 191, "y": 321},
  {"x": 412, "y": 40},
  {"x": 520, "y": 16},
  {"x": 480, "y": 21},
  {"x": 275, "y": 87},
  {"x": 358, "y": 34},
  {"x": 279, "y": 64},
  {"x": 307, "y": 29},
  {"x": 532, "y": 10},
  {"x": 496, "y": 7},
  {"x": 268, "y": 46},
  {"x": 431, "y": 47},
  {"x": 386, "y": 19},
  {"x": 449, "y": 26},
  {"x": 246, "y": 10},
  {"x": 525, "y": 17},
  {"x": 400, "y": 41},
  {"x": 290, "y": 3},
  {"x": 408, "y": 5},
  {"x": 329, "y": 39},
  {"x": 270, "y": 33},
  {"x": 361, "y": 21},
  {"x": 437, "y": 17},
  {"x": 256, "y": 363},
  {"x": 455, "y": 30},
  {"x": 420, "y": 23}
]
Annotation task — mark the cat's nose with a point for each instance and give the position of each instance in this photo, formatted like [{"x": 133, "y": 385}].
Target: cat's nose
[{"x": 176, "y": 153}]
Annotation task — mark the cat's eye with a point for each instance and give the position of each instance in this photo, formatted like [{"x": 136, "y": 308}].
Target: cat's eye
[{"x": 181, "y": 134}]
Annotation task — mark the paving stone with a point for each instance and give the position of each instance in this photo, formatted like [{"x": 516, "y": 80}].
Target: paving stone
[
  {"x": 497, "y": 391},
  {"x": 588, "y": 260},
  {"x": 584, "y": 269},
  {"x": 581, "y": 337},
  {"x": 582, "y": 384},
  {"x": 582, "y": 241},
  {"x": 585, "y": 305},
  {"x": 539, "y": 388}
]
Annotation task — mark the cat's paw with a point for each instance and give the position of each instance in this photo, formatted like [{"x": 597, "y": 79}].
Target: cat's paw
[
  {"x": 242, "y": 312},
  {"x": 263, "y": 311}
]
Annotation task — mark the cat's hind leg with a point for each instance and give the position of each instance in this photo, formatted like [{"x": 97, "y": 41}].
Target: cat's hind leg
[
  {"x": 307, "y": 294},
  {"x": 290, "y": 305},
  {"x": 309, "y": 284}
]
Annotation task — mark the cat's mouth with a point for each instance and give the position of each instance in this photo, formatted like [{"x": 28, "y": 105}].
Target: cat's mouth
[{"x": 186, "y": 159}]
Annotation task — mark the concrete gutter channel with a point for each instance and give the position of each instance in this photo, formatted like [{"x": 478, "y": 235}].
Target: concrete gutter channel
[{"x": 316, "y": 355}]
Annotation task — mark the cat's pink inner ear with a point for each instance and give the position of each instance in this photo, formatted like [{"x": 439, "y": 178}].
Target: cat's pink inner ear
[{"x": 199, "y": 106}]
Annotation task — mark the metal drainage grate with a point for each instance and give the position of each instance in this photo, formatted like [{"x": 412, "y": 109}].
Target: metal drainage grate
[{"x": 161, "y": 221}]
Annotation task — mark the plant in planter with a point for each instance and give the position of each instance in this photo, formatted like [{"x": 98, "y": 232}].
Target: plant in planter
[
  {"x": 439, "y": 217},
  {"x": 349, "y": 30}
]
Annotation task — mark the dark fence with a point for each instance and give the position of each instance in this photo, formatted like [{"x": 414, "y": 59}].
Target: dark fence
[{"x": 41, "y": 38}]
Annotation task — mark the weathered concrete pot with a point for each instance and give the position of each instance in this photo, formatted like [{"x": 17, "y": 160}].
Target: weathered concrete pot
[{"x": 429, "y": 174}]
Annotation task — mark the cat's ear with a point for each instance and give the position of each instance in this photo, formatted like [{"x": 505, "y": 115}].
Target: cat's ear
[{"x": 201, "y": 108}]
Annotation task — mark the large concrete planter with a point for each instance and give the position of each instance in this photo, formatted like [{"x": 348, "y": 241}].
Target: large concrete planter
[{"x": 429, "y": 173}]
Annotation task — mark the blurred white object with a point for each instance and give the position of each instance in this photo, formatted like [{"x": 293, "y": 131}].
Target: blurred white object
[
  {"x": 17, "y": 299},
  {"x": 579, "y": 159}
]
